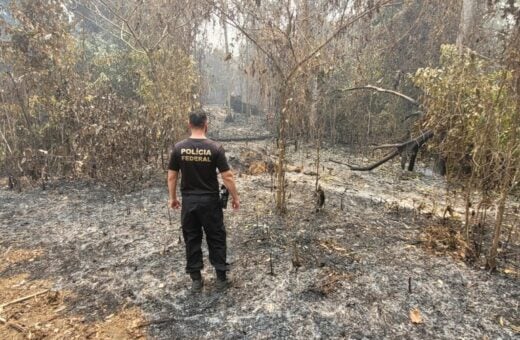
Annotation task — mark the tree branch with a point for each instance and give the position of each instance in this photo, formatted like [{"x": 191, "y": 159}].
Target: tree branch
[
  {"x": 164, "y": 35},
  {"x": 336, "y": 33},
  {"x": 376, "y": 164},
  {"x": 127, "y": 24},
  {"x": 399, "y": 148},
  {"x": 379, "y": 89},
  {"x": 248, "y": 36},
  {"x": 111, "y": 33},
  {"x": 6, "y": 142}
]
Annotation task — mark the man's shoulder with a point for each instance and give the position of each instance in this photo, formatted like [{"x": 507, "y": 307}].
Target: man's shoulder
[
  {"x": 214, "y": 143},
  {"x": 181, "y": 143}
]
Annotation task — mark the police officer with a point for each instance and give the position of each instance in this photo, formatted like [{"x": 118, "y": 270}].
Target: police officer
[{"x": 197, "y": 158}]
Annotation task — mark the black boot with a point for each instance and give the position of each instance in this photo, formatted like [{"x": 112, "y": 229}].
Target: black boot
[
  {"x": 196, "y": 283},
  {"x": 222, "y": 282}
]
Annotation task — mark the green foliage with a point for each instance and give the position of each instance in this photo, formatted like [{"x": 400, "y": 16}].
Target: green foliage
[{"x": 471, "y": 107}]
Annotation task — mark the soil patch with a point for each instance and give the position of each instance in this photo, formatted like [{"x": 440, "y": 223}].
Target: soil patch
[{"x": 33, "y": 309}]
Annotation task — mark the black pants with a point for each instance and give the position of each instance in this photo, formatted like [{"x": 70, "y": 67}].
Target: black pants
[{"x": 203, "y": 212}]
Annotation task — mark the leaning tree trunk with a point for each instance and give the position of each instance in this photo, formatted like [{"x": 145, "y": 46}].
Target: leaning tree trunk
[{"x": 398, "y": 149}]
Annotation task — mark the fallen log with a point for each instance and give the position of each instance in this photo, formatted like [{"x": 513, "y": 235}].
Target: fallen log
[{"x": 243, "y": 139}]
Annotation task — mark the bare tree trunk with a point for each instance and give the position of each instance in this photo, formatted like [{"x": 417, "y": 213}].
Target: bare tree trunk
[
  {"x": 313, "y": 101},
  {"x": 466, "y": 212},
  {"x": 226, "y": 47},
  {"x": 318, "y": 149},
  {"x": 469, "y": 16},
  {"x": 493, "y": 252},
  {"x": 280, "y": 167}
]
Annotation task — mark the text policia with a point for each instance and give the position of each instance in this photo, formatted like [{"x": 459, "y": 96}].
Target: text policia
[{"x": 196, "y": 155}]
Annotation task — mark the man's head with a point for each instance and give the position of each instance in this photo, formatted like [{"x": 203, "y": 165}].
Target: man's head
[{"x": 198, "y": 120}]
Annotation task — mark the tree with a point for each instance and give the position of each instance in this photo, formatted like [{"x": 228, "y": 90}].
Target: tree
[
  {"x": 292, "y": 56},
  {"x": 480, "y": 142},
  {"x": 94, "y": 85}
]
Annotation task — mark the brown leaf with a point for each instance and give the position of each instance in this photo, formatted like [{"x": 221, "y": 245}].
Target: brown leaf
[{"x": 415, "y": 316}]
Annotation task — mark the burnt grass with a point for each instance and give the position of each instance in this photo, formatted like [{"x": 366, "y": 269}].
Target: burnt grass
[
  {"x": 336, "y": 273},
  {"x": 355, "y": 269}
]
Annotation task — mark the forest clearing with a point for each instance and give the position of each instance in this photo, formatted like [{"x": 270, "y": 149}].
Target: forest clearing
[
  {"x": 374, "y": 145},
  {"x": 115, "y": 261}
]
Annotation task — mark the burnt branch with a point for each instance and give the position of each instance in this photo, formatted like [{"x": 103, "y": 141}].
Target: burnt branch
[
  {"x": 399, "y": 148},
  {"x": 379, "y": 89},
  {"x": 243, "y": 139}
]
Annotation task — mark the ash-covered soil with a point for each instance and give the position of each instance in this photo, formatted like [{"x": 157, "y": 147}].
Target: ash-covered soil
[{"x": 356, "y": 269}]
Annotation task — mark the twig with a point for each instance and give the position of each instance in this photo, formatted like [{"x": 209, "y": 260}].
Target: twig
[
  {"x": 154, "y": 322},
  {"x": 6, "y": 143},
  {"x": 254, "y": 239},
  {"x": 13, "y": 325},
  {"x": 7, "y": 251},
  {"x": 164, "y": 35},
  {"x": 111, "y": 33},
  {"x": 23, "y": 298},
  {"x": 128, "y": 26}
]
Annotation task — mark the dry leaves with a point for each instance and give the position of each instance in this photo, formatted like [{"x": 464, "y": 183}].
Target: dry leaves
[{"x": 415, "y": 316}]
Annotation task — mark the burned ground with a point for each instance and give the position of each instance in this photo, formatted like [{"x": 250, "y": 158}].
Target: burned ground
[{"x": 355, "y": 269}]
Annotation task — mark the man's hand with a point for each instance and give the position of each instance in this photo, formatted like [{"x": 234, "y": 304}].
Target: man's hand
[
  {"x": 235, "y": 203},
  {"x": 174, "y": 203},
  {"x": 229, "y": 182},
  {"x": 172, "y": 186}
]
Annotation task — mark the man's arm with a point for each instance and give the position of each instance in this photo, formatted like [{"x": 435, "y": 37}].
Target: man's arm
[
  {"x": 172, "y": 189},
  {"x": 229, "y": 182}
]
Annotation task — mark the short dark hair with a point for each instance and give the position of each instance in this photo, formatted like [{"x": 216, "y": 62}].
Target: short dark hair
[{"x": 198, "y": 118}]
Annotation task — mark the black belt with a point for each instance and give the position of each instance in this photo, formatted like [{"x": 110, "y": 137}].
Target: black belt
[{"x": 216, "y": 195}]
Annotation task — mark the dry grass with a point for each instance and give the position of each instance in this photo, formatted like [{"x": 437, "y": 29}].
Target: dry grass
[
  {"x": 45, "y": 316},
  {"x": 444, "y": 239},
  {"x": 12, "y": 256}
]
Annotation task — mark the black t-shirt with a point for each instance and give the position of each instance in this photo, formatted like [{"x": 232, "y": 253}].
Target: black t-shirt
[{"x": 198, "y": 161}]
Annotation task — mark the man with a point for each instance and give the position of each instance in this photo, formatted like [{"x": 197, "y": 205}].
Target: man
[{"x": 197, "y": 158}]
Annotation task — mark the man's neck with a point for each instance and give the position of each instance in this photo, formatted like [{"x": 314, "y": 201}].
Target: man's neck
[{"x": 198, "y": 134}]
